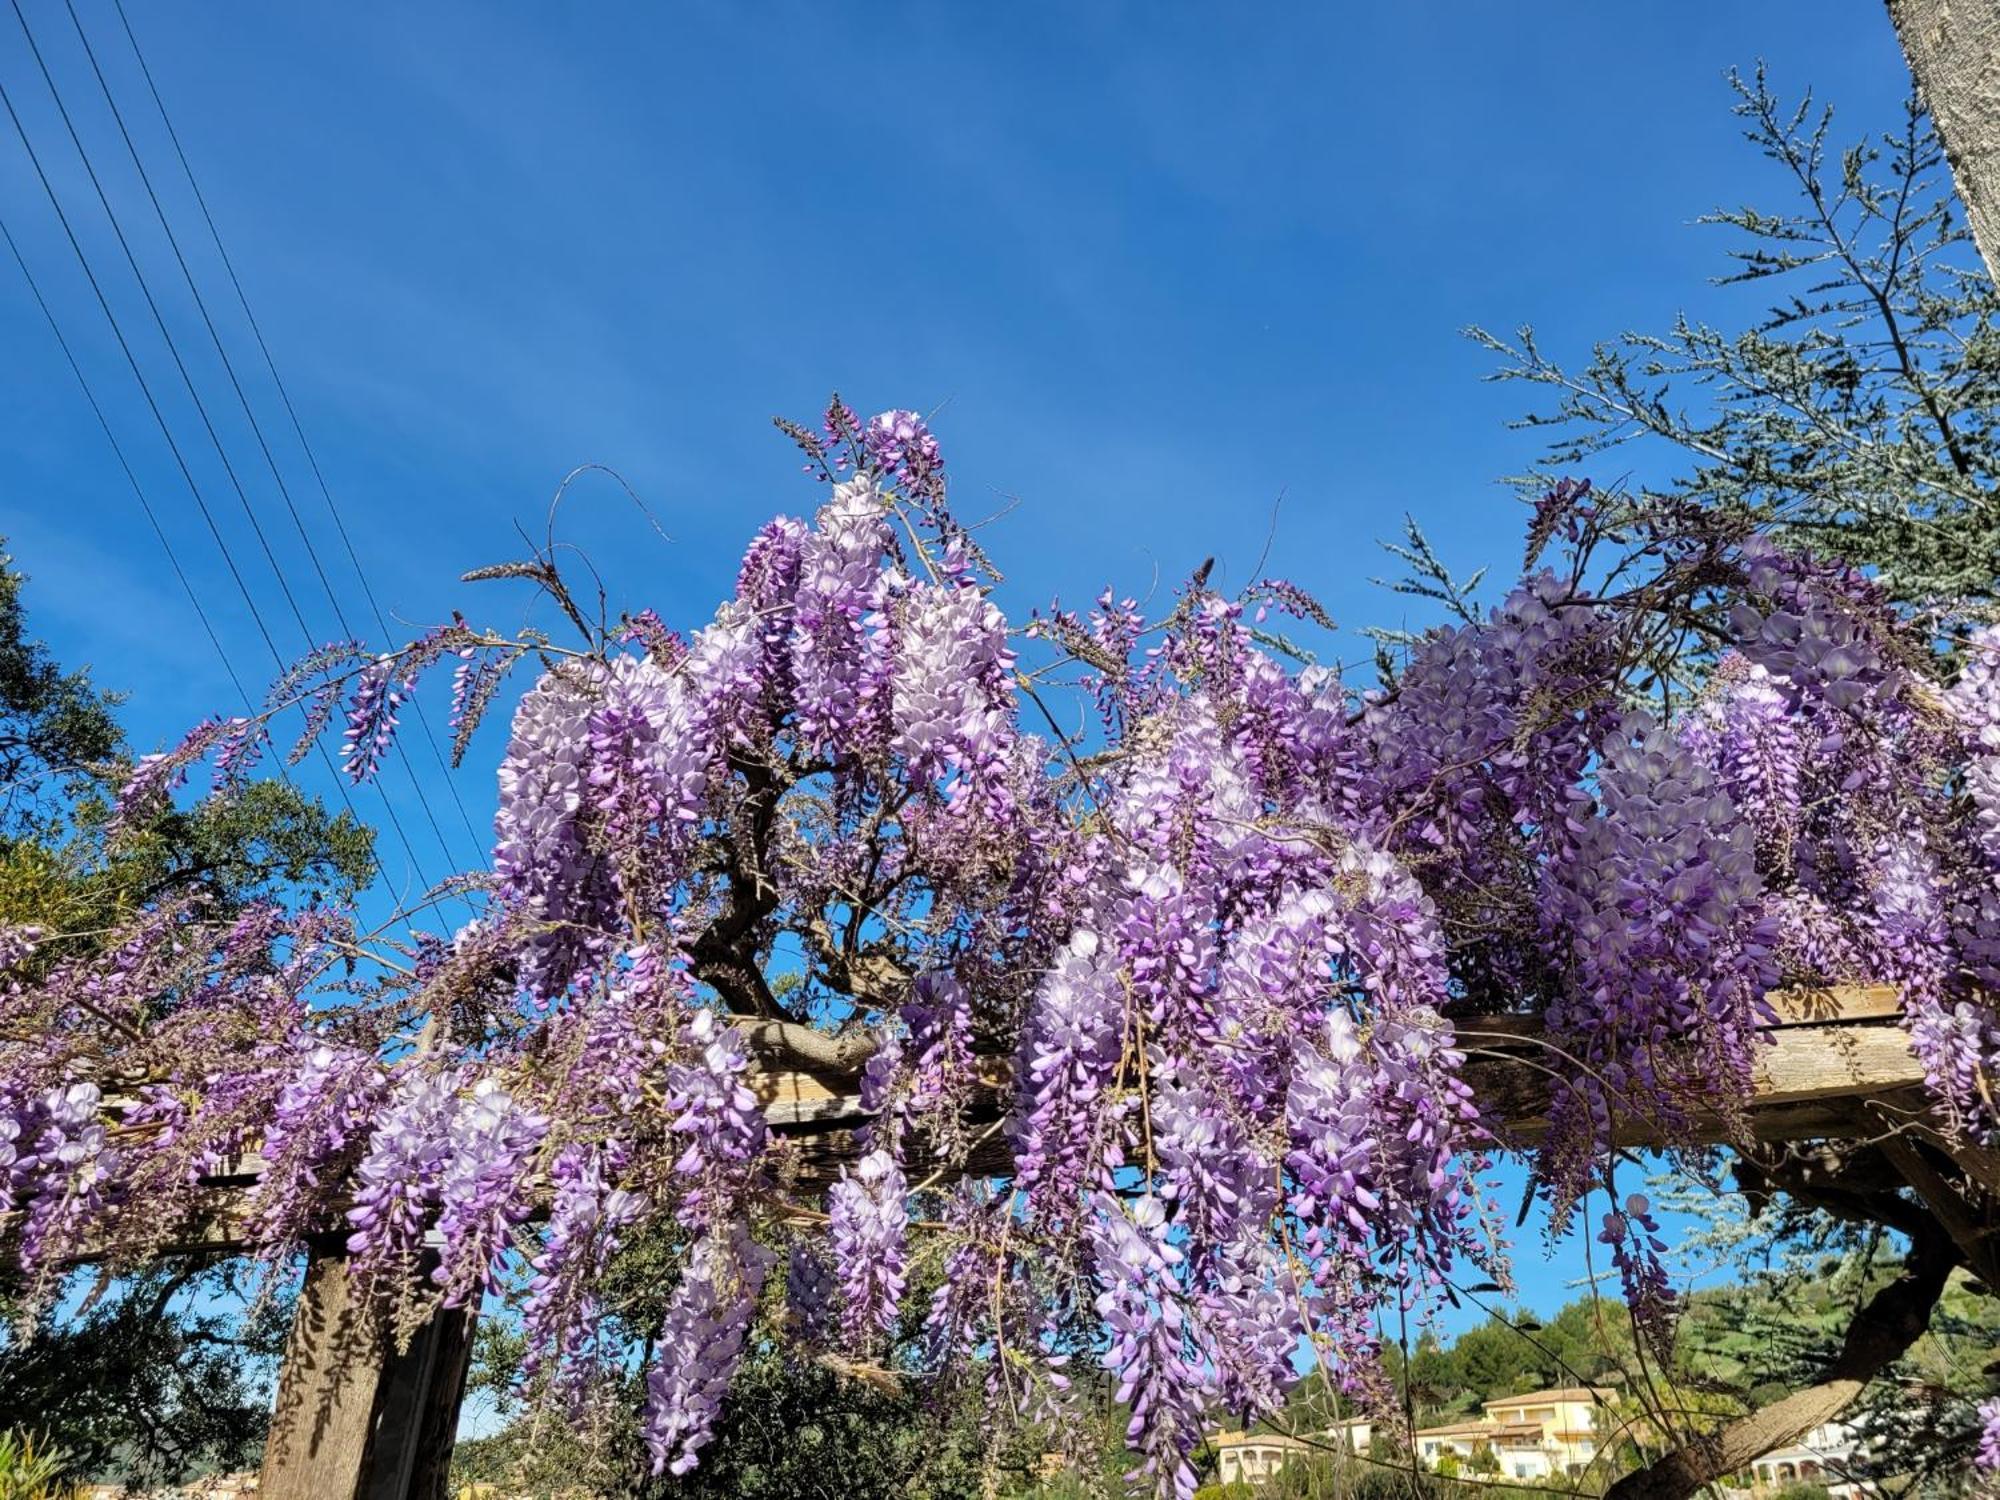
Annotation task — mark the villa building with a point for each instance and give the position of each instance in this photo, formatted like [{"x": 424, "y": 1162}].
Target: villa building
[
  {"x": 1537, "y": 1435},
  {"x": 1252, "y": 1457},
  {"x": 1829, "y": 1455}
]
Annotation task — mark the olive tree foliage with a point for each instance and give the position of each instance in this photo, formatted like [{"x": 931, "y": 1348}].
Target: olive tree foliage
[
  {"x": 1858, "y": 410},
  {"x": 55, "y": 724},
  {"x": 63, "y": 754},
  {"x": 151, "y": 1378}
]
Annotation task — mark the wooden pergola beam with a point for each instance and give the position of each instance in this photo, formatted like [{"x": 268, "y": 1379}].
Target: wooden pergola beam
[
  {"x": 1832, "y": 1049},
  {"x": 358, "y": 1419}
]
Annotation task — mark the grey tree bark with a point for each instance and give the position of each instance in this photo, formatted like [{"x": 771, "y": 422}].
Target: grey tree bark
[
  {"x": 1893, "y": 1320},
  {"x": 1953, "y": 48}
]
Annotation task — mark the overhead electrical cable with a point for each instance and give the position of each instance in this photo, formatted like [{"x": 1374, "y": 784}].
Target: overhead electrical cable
[
  {"x": 117, "y": 449},
  {"x": 284, "y": 395},
  {"x": 145, "y": 388},
  {"x": 243, "y": 399}
]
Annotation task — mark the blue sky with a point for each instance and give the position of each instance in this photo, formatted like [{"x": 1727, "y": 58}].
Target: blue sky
[{"x": 1156, "y": 268}]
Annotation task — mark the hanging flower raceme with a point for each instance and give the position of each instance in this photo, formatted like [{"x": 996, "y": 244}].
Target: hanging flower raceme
[
  {"x": 953, "y": 696},
  {"x": 701, "y": 1344},
  {"x": 1747, "y": 737},
  {"x": 867, "y": 1219},
  {"x": 840, "y": 585},
  {"x": 1636, "y": 1247},
  {"x": 1071, "y": 1049},
  {"x": 1655, "y": 916},
  {"x": 1155, "y": 1354},
  {"x": 715, "y": 1117},
  {"x": 542, "y": 854},
  {"x": 482, "y": 1193},
  {"x": 561, "y": 1314},
  {"x": 59, "y": 1163},
  {"x": 327, "y": 1103},
  {"x": 1212, "y": 1170},
  {"x": 371, "y": 717},
  {"x": 398, "y": 1179}
]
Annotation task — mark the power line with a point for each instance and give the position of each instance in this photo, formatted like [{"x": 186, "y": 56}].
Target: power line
[
  {"x": 201, "y": 409},
  {"x": 298, "y": 428},
  {"x": 166, "y": 333},
  {"x": 145, "y": 505},
  {"x": 153, "y": 405},
  {"x": 242, "y": 397},
  {"x": 7, "y": 99}
]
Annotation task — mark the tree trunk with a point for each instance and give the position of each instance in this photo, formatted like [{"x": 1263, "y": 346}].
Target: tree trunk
[
  {"x": 1953, "y": 47},
  {"x": 1894, "y": 1319}
]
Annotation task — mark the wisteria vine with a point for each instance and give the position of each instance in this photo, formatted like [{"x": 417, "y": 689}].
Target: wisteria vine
[{"x": 1177, "y": 1001}]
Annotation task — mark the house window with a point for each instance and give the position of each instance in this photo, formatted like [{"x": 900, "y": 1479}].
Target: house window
[{"x": 1521, "y": 1471}]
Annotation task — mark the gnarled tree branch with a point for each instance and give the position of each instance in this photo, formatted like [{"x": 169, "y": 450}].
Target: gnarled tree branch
[
  {"x": 1894, "y": 1319},
  {"x": 796, "y": 1042}
]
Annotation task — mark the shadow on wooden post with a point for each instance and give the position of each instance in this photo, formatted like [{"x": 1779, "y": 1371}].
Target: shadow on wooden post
[{"x": 356, "y": 1420}]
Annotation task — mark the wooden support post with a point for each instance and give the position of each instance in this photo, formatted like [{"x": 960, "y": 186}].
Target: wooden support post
[{"x": 355, "y": 1419}]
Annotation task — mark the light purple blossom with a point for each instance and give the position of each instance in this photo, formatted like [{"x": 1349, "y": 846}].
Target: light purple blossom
[
  {"x": 700, "y": 1345},
  {"x": 1636, "y": 1248},
  {"x": 399, "y": 1177},
  {"x": 1070, "y": 1050},
  {"x": 953, "y": 689},
  {"x": 715, "y": 1115},
  {"x": 58, "y": 1162},
  {"x": 867, "y": 1220},
  {"x": 542, "y": 856},
  {"x": 901, "y": 444},
  {"x": 482, "y": 1193},
  {"x": 326, "y": 1102},
  {"x": 1154, "y": 1353},
  {"x": 561, "y": 1313}
]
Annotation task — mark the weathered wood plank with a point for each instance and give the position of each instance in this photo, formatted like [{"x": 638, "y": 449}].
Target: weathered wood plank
[
  {"x": 1818, "y": 1005},
  {"x": 356, "y": 1419},
  {"x": 318, "y": 1443},
  {"x": 416, "y": 1412},
  {"x": 1512, "y": 1073},
  {"x": 1815, "y": 1005}
]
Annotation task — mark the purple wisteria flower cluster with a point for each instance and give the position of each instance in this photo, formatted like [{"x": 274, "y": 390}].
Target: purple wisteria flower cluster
[
  {"x": 561, "y": 1314},
  {"x": 867, "y": 1218},
  {"x": 701, "y": 1344},
  {"x": 1166, "y": 950},
  {"x": 58, "y": 1165},
  {"x": 1987, "y": 1459}
]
